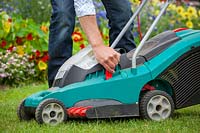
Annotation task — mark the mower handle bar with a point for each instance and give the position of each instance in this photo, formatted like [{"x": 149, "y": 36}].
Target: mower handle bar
[
  {"x": 134, "y": 58},
  {"x": 116, "y": 41}
]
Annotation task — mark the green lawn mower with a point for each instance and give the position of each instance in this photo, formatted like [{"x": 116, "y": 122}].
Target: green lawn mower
[{"x": 162, "y": 74}]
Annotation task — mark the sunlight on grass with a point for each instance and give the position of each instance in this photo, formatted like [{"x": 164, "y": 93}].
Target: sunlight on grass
[{"x": 184, "y": 120}]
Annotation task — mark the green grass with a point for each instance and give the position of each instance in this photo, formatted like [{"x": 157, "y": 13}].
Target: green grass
[{"x": 184, "y": 121}]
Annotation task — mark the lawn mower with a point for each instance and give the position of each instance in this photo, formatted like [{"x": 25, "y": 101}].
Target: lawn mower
[{"x": 162, "y": 74}]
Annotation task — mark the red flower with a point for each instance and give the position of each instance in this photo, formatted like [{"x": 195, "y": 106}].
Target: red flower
[
  {"x": 10, "y": 48},
  {"x": 77, "y": 36},
  {"x": 10, "y": 20},
  {"x": 3, "y": 43},
  {"x": 29, "y": 37},
  {"x": 106, "y": 37},
  {"x": 19, "y": 40},
  {"x": 32, "y": 57},
  {"x": 82, "y": 46},
  {"x": 37, "y": 53},
  {"x": 45, "y": 58}
]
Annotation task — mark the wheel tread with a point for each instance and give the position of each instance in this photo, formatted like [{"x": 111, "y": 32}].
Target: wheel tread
[
  {"x": 38, "y": 112},
  {"x": 147, "y": 96},
  {"x": 22, "y": 115}
]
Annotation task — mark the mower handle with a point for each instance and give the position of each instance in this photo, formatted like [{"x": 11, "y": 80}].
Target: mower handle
[
  {"x": 116, "y": 41},
  {"x": 134, "y": 57}
]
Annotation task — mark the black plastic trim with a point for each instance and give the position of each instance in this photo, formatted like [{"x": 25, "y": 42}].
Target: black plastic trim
[
  {"x": 184, "y": 76},
  {"x": 155, "y": 45},
  {"x": 113, "y": 111}
]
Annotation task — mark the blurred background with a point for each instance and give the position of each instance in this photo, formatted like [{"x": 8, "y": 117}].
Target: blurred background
[{"x": 24, "y": 33}]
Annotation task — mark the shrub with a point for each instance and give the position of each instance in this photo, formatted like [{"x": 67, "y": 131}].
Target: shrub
[
  {"x": 175, "y": 17},
  {"x": 14, "y": 68},
  {"x": 38, "y": 10},
  {"x": 23, "y": 38}
]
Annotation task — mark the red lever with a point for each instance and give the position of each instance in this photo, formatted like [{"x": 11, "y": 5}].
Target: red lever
[
  {"x": 75, "y": 112},
  {"x": 108, "y": 75},
  {"x": 148, "y": 87},
  {"x": 180, "y": 29}
]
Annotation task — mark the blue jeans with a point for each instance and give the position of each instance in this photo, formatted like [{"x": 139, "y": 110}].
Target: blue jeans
[{"x": 62, "y": 26}]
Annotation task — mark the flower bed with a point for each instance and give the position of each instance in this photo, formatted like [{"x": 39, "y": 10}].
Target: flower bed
[
  {"x": 23, "y": 47},
  {"x": 24, "y": 43}
]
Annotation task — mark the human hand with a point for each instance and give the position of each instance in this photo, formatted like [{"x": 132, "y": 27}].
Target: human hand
[{"x": 107, "y": 57}]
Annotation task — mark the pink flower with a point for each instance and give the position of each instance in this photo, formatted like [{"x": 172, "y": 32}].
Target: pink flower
[{"x": 2, "y": 75}]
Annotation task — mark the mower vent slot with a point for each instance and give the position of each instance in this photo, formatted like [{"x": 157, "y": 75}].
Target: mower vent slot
[
  {"x": 184, "y": 77},
  {"x": 156, "y": 45}
]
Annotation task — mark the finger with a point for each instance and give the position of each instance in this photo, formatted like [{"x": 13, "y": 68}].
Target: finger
[
  {"x": 107, "y": 67},
  {"x": 109, "y": 63},
  {"x": 118, "y": 57},
  {"x": 105, "y": 63},
  {"x": 112, "y": 59}
]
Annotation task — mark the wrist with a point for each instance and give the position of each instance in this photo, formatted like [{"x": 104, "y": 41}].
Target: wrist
[{"x": 94, "y": 46}]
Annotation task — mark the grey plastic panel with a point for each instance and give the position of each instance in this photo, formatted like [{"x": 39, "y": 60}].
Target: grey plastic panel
[
  {"x": 152, "y": 48},
  {"x": 97, "y": 102},
  {"x": 156, "y": 45}
]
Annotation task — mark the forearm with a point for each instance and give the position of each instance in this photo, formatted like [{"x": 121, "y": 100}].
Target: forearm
[
  {"x": 89, "y": 26},
  {"x": 106, "y": 56}
]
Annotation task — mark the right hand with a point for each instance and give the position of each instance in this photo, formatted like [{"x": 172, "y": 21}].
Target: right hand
[{"x": 107, "y": 57}]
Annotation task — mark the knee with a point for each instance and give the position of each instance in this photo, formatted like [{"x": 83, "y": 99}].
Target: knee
[
  {"x": 125, "y": 14},
  {"x": 61, "y": 14}
]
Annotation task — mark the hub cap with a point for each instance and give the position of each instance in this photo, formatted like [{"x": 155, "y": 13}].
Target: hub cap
[
  {"x": 158, "y": 108},
  {"x": 53, "y": 114}
]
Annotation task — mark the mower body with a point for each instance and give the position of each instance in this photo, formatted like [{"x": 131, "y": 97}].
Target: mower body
[{"x": 168, "y": 62}]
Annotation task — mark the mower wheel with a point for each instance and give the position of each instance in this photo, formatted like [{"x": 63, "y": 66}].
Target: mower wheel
[
  {"x": 50, "y": 111},
  {"x": 156, "y": 105},
  {"x": 21, "y": 113}
]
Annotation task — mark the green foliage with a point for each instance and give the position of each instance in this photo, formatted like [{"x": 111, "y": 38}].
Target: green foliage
[
  {"x": 22, "y": 38},
  {"x": 183, "y": 16},
  {"x": 38, "y": 10}
]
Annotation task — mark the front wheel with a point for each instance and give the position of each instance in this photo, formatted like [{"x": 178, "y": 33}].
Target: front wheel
[
  {"x": 50, "y": 111},
  {"x": 156, "y": 105}
]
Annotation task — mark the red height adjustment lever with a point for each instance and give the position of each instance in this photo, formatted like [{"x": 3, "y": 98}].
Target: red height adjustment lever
[
  {"x": 180, "y": 29},
  {"x": 108, "y": 75}
]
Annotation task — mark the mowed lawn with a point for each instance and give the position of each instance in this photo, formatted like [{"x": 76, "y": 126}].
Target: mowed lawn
[{"x": 184, "y": 121}]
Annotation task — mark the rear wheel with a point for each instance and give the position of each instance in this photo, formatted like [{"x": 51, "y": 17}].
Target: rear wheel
[
  {"x": 51, "y": 111},
  {"x": 21, "y": 113},
  {"x": 156, "y": 105}
]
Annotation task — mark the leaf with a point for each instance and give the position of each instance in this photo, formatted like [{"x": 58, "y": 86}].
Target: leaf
[
  {"x": 43, "y": 45},
  {"x": 35, "y": 45},
  {"x": 22, "y": 32},
  {"x": 1, "y": 34}
]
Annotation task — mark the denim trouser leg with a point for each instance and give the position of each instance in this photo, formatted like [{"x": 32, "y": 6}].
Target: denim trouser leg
[
  {"x": 60, "y": 41},
  {"x": 118, "y": 13}
]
